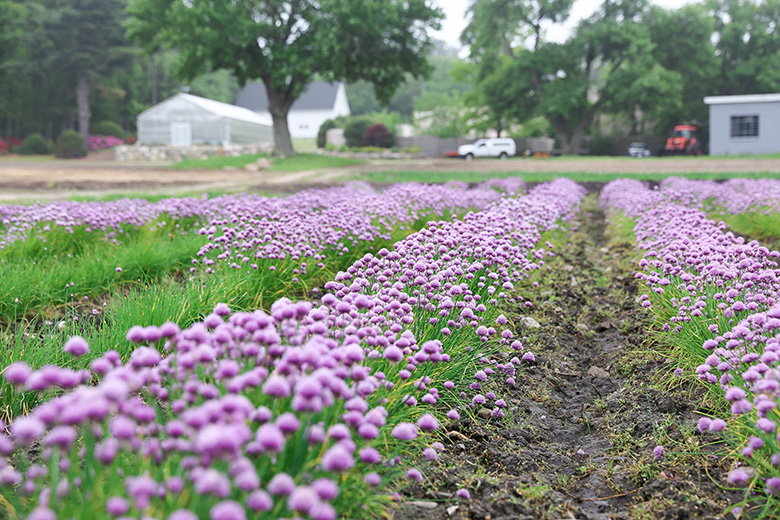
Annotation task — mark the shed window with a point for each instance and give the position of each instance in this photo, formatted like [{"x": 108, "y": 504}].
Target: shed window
[{"x": 744, "y": 126}]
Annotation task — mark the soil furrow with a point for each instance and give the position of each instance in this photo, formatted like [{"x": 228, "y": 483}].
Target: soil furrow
[{"x": 583, "y": 421}]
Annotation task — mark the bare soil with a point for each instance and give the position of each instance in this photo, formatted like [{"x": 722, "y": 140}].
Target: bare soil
[
  {"x": 98, "y": 174},
  {"x": 582, "y": 422}
]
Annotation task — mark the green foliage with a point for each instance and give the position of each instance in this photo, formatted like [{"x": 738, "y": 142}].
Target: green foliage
[
  {"x": 34, "y": 144},
  {"x": 70, "y": 145},
  {"x": 603, "y": 145},
  {"x": 355, "y": 130},
  {"x": 322, "y": 136},
  {"x": 378, "y": 135},
  {"x": 348, "y": 40},
  {"x": 106, "y": 128}
]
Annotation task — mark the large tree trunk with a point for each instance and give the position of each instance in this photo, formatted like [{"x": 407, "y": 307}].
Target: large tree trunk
[
  {"x": 570, "y": 136},
  {"x": 82, "y": 103},
  {"x": 279, "y": 104}
]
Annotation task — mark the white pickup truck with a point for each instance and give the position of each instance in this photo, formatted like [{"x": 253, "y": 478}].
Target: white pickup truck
[{"x": 498, "y": 147}]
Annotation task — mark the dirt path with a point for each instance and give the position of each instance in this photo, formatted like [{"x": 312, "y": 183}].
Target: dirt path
[
  {"x": 583, "y": 421},
  {"x": 21, "y": 180}
]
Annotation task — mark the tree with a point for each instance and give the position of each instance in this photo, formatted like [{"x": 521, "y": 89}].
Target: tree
[
  {"x": 747, "y": 45},
  {"x": 499, "y": 34},
  {"x": 682, "y": 44},
  {"x": 86, "y": 40},
  {"x": 285, "y": 43}
]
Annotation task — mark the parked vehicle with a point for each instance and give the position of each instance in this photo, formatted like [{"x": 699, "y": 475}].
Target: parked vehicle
[
  {"x": 684, "y": 141},
  {"x": 638, "y": 150},
  {"x": 498, "y": 147}
]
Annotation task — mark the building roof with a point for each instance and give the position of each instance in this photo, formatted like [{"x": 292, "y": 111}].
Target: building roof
[
  {"x": 217, "y": 108},
  {"x": 226, "y": 110},
  {"x": 751, "y": 98},
  {"x": 317, "y": 96}
]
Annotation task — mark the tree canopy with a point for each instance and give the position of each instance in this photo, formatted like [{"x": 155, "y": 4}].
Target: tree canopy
[{"x": 285, "y": 43}]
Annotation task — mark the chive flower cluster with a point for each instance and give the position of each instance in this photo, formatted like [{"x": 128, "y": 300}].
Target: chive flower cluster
[
  {"x": 720, "y": 295},
  {"x": 307, "y": 410}
]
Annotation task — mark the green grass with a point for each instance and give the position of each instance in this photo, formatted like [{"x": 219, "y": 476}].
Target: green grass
[
  {"x": 296, "y": 163},
  {"x": 391, "y": 177},
  {"x": 305, "y": 145},
  {"x": 218, "y": 162},
  {"x": 302, "y": 162}
]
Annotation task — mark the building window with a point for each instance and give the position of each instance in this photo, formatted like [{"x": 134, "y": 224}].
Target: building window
[{"x": 744, "y": 126}]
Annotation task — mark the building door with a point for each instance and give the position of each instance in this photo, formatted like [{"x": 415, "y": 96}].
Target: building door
[{"x": 181, "y": 134}]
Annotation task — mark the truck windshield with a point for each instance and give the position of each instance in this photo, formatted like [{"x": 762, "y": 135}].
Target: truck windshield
[{"x": 683, "y": 133}]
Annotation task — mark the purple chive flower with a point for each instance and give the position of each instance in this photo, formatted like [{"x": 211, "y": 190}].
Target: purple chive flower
[
  {"x": 704, "y": 424},
  {"x": 773, "y": 485},
  {"x": 463, "y": 493},
  {"x": 453, "y": 414},
  {"x": 259, "y": 500},
  {"x": 76, "y": 346},
  {"x": 405, "y": 431},
  {"x": 116, "y": 506},
  {"x": 428, "y": 422},
  {"x": 414, "y": 474},
  {"x": 27, "y": 429},
  {"x": 373, "y": 479},
  {"x": 17, "y": 373},
  {"x": 430, "y": 454},
  {"x": 370, "y": 455},
  {"x": 227, "y": 510},
  {"x": 717, "y": 425},
  {"x": 658, "y": 453},
  {"x": 337, "y": 458},
  {"x": 303, "y": 499},
  {"x": 528, "y": 356},
  {"x": 182, "y": 514},
  {"x": 270, "y": 437},
  {"x": 281, "y": 484},
  {"x": 738, "y": 477},
  {"x": 288, "y": 422},
  {"x": 42, "y": 513},
  {"x": 326, "y": 488},
  {"x": 323, "y": 511}
]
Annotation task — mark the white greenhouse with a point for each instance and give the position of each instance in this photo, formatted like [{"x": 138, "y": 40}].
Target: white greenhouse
[{"x": 184, "y": 120}]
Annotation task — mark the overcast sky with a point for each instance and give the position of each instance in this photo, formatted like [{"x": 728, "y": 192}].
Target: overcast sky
[{"x": 455, "y": 22}]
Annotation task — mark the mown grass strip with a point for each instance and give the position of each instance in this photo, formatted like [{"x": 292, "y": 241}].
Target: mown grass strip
[
  {"x": 295, "y": 163},
  {"x": 438, "y": 177}
]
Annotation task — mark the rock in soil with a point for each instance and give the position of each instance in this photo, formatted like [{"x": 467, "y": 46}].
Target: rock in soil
[{"x": 581, "y": 425}]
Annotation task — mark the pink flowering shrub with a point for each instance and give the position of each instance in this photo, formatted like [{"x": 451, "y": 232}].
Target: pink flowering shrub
[{"x": 103, "y": 142}]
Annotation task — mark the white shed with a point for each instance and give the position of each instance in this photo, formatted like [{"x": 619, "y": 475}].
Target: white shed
[
  {"x": 744, "y": 125},
  {"x": 320, "y": 101},
  {"x": 184, "y": 120}
]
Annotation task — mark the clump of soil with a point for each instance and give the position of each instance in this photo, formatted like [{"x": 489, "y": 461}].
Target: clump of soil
[{"x": 584, "y": 420}]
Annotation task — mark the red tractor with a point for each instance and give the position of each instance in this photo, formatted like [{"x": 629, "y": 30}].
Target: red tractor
[{"x": 683, "y": 141}]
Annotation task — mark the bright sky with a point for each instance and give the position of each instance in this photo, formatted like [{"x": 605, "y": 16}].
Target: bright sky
[{"x": 455, "y": 22}]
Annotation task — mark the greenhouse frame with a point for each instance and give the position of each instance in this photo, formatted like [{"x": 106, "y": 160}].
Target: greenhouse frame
[{"x": 186, "y": 120}]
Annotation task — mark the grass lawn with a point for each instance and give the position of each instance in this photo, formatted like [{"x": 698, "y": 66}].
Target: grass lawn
[
  {"x": 296, "y": 163},
  {"x": 391, "y": 177}
]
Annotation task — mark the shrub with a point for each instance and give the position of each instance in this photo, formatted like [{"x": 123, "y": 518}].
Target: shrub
[
  {"x": 107, "y": 128},
  {"x": 3, "y": 147},
  {"x": 70, "y": 145},
  {"x": 323, "y": 131},
  {"x": 603, "y": 145},
  {"x": 34, "y": 144},
  {"x": 99, "y": 142},
  {"x": 355, "y": 130},
  {"x": 378, "y": 135}
]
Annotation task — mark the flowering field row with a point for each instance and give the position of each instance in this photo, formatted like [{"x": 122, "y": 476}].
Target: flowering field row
[
  {"x": 718, "y": 296},
  {"x": 52, "y": 251},
  {"x": 306, "y": 410}
]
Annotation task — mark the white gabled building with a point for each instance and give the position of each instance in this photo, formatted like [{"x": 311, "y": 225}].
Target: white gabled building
[
  {"x": 184, "y": 120},
  {"x": 319, "y": 102},
  {"x": 744, "y": 125}
]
